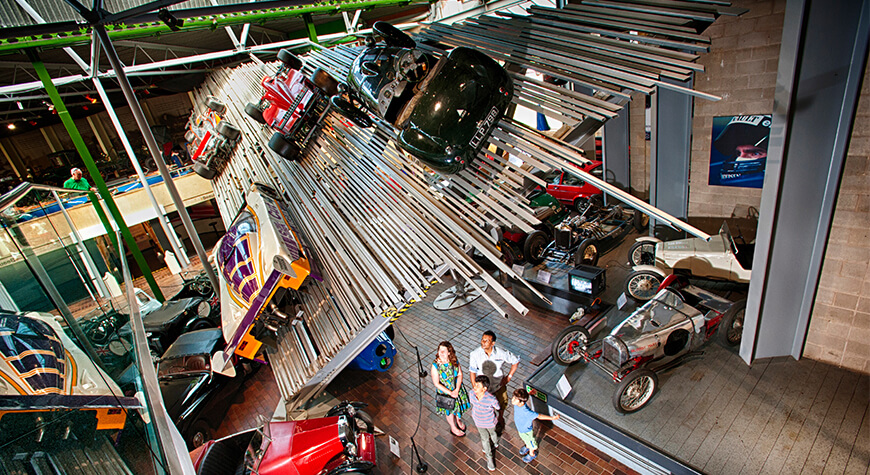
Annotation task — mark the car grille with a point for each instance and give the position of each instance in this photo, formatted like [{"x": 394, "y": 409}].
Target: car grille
[
  {"x": 614, "y": 351},
  {"x": 563, "y": 238}
]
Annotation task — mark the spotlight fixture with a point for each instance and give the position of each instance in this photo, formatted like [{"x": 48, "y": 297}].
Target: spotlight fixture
[
  {"x": 11, "y": 126},
  {"x": 93, "y": 100},
  {"x": 169, "y": 19}
]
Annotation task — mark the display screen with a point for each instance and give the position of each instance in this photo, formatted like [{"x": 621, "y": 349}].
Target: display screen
[{"x": 580, "y": 284}]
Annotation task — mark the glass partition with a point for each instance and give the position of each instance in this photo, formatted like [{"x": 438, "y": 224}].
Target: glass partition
[{"x": 75, "y": 387}]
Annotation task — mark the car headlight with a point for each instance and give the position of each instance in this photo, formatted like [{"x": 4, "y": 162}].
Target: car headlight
[{"x": 203, "y": 309}]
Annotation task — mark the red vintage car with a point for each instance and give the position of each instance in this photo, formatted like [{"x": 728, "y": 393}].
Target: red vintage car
[
  {"x": 293, "y": 104},
  {"x": 340, "y": 443},
  {"x": 571, "y": 190}
]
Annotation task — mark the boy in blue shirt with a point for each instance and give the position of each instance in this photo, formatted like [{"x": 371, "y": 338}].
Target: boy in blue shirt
[{"x": 523, "y": 419}]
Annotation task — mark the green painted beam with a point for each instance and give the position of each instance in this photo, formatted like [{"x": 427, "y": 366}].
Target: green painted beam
[
  {"x": 80, "y": 146},
  {"x": 309, "y": 25},
  {"x": 122, "y": 31}
]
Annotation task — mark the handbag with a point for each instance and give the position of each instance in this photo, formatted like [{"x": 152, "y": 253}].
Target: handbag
[{"x": 443, "y": 401}]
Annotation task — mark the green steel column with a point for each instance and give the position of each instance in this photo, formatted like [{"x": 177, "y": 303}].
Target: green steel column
[
  {"x": 100, "y": 184},
  {"x": 98, "y": 208},
  {"x": 309, "y": 25}
]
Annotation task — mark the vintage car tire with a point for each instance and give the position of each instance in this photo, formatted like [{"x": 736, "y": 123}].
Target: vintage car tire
[
  {"x": 642, "y": 253},
  {"x": 533, "y": 249},
  {"x": 204, "y": 171},
  {"x": 282, "y": 147},
  {"x": 289, "y": 59},
  {"x": 635, "y": 391},
  {"x": 352, "y": 112},
  {"x": 642, "y": 285},
  {"x": 583, "y": 202},
  {"x": 393, "y": 36},
  {"x": 509, "y": 254},
  {"x": 228, "y": 130},
  {"x": 216, "y": 105},
  {"x": 587, "y": 253},
  {"x": 255, "y": 113},
  {"x": 200, "y": 433},
  {"x": 325, "y": 82},
  {"x": 731, "y": 327},
  {"x": 565, "y": 346}
]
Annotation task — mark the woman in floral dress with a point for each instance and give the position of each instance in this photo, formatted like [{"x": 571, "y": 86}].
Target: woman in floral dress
[{"x": 447, "y": 378}]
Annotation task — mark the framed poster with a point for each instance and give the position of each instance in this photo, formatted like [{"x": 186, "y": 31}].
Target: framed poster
[{"x": 739, "y": 152}]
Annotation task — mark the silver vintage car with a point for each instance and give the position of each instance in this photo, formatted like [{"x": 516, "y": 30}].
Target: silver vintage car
[{"x": 678, "y": 320}]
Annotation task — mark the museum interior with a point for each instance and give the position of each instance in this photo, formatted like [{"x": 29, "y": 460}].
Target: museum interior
[{"x": 387, "y": 236}]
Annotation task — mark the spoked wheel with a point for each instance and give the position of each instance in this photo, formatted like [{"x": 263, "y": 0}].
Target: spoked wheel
[
  {"x": 228, "y": 130},
  {"x": 533, "y": 249},
  {"x": 255, "y": 113},
  {"x": 289, "y": 59},
  {"x": 203, "y": 170},
  {"x": 642, "y": 253},
  {"x": 285, "y": 149},
  {"x": 587, "y": 253},
  {"x": 569, "y": 345},
  {"x": 325, "y": 82},
  {"x": 352, "y": 112},
  {"x": 635, "y": 391},
  {"x": 642, "y": 285},
  {"x": 215, "y": 105},
  {"x": 731, "y": 328},
  {"x": 393, "y": 36}
]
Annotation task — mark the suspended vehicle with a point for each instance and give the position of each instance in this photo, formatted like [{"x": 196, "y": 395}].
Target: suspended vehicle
[
  {"x": 211, "y": 139},
  {"x": 443, "y": 107}
]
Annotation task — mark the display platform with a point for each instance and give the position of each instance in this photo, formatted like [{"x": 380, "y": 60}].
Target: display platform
[{"x": 567, "y": 286}]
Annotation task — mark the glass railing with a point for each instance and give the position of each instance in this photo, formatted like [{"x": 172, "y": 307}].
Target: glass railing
[{"x": 78, "y": 386}]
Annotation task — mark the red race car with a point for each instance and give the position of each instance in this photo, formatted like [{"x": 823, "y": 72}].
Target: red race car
[
  {"x": 210, "y": 139},
  {"x": 340, "y": 443},
  {"x": 293, "y": 105},
  {"x": 571, "y": 190}
]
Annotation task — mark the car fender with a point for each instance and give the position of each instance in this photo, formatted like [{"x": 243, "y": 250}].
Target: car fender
[
  {"x": 655, "y": 269},
  {"x": 648, "y": 239}
]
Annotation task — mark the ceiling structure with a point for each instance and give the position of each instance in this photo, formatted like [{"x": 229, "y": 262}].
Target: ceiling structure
[{"x": 161, "y": 56}]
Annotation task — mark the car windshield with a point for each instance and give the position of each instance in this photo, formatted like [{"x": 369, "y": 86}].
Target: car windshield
[
  {"x": 665, "y": 307},
  {"x": 183, "y": 366},
  {"x": 725, "y": 233},
  {"x": 257, "y": 448}
]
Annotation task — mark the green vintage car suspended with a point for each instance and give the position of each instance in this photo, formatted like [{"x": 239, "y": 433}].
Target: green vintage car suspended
[{"x": 444, "y": 108}]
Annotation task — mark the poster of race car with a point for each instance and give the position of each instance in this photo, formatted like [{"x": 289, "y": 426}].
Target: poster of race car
[{"x": 739, "y": 152}]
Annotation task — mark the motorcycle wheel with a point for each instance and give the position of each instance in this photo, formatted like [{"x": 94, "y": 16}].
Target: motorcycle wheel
[
  {"x": 569, "y": 345},
  {"x": 635, "y": 391}
]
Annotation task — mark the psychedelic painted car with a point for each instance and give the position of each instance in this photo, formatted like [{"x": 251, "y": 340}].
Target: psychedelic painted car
[
  {"x": 261, "y": 261},
  {"x": 49, "y": 384}
]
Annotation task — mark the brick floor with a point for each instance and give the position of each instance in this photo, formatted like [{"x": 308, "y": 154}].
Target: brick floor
[{"x": 398, "y": 397}]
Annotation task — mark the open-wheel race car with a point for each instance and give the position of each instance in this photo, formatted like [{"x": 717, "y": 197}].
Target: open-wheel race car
[
  {"x": 211, "y": 139},
  {"x": 582, "y": 238},
  {"x": 261, "y": 262},
  {"x": 719, "y": 260},
  {"x": 50, "y": 390},
  {"x": 293, "y": 105},
  {"x": 657, "y": 336},
  {"x": 341, "y": 443},
  {"x": 444, "y": 108}
]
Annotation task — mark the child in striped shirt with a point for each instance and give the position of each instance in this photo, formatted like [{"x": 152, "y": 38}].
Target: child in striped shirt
[{"x": 484, "y": 409}]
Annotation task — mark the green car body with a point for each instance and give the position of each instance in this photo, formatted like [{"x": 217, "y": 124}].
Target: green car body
[{"x": 443, "y": 108}]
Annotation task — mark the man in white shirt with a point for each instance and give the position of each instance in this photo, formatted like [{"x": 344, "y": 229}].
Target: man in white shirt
[{"x": 488, "y": 360}]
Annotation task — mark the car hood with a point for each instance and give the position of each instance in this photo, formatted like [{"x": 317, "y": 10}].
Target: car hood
[
  {"x": 457, "y": 107},
  {"x": 168, "y": 313},
  {"x": 181, "y": 392}
]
